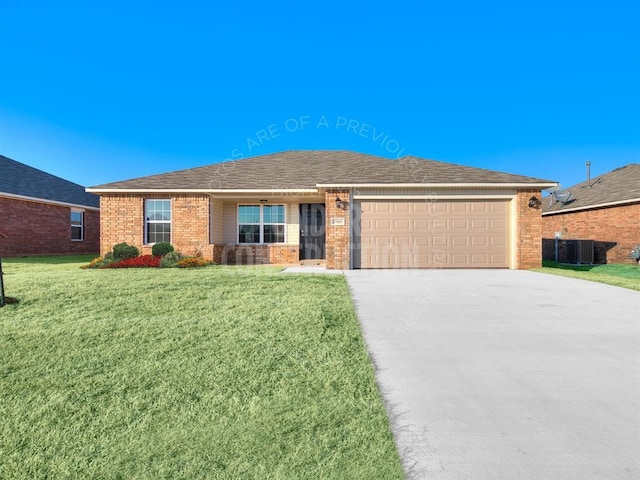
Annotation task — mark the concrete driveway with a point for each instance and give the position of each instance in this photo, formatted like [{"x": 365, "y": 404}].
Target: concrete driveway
[{"x": 498, "y": 374}]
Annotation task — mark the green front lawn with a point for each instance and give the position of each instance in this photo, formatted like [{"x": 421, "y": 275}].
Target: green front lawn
[
  {"x": 627, "y": 276},
  {"x": 217, "y": 373}
]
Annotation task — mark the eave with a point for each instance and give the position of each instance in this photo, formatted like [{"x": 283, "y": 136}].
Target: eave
[
  {"x": 541, "y": 185},
  {"x": 592, "y": 207},
  {"x": 202, "y": 190},
  {"x": 47, "y": 201},
  {"x": 320, "y": 186}
]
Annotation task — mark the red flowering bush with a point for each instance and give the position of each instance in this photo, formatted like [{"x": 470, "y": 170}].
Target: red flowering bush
[{"x": 142, "y": 261}]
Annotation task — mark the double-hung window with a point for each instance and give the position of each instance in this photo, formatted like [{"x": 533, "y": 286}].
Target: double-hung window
[
  {"x": 261, "y": 223},
  {"x": 77, "y": 225},
  {"x": 157, "y": 221}
]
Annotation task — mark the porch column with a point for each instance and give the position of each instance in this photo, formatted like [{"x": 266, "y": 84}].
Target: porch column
[{"x": 337, "y": 229}]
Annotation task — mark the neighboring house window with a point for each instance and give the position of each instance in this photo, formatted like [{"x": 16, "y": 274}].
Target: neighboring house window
[
  {"x": 157, "y": 221},
  {"x": 77, "y": 225},
  {"x": 261, "y": 223}
]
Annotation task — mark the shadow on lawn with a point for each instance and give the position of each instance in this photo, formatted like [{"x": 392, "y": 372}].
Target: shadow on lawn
[
  {"x": 566, "y": 266},
  {"x": 8, "y": 301},
  {"x": 50, "y": 260}
]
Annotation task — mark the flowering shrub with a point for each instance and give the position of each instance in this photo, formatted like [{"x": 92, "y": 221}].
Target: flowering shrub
[
  {"x": 136, "y": 262},
  {"x": 191, "y": 262},
  {"x": 95, "y": 263}
]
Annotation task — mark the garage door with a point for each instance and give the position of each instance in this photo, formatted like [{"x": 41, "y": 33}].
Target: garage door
[{"x": 428, "y": 234}]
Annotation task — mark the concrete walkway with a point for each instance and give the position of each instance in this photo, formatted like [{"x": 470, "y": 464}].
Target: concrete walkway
[{"x": 497, "y": 374}]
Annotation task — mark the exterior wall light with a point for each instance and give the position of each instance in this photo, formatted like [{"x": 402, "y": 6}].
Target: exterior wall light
[
  {"x": 341, "y": 204},
  {"x": 534, "y": 202}
]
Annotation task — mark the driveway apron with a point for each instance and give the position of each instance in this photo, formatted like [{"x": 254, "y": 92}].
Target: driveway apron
[{"x": 500, "y": 374}]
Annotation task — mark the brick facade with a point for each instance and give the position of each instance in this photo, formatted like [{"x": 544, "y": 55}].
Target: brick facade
[
  {"x": 528, "y": 230},
  {"x": 615, "y": 231},
  {"x": 35, "y": 228},
  {"x": 122, "y": 221},
  {"x": 256, "y": 254},
  {"x": 337, "y": 236}
]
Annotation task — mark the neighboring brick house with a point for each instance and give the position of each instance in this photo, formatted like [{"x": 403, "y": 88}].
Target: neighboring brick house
[
  {"x": 346, "y": 209},
  {"x": 42, "y": 214},
  {"x": 605, "y": 209}
]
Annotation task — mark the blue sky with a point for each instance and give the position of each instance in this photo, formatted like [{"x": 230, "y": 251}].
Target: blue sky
[{"x": 103, "y": 91}]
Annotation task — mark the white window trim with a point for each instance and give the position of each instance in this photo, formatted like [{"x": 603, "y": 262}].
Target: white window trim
[
  {"x": 261, "y": 224},
  {"x": 81, "y": 212},
  {"x": 146, "y": 222}
]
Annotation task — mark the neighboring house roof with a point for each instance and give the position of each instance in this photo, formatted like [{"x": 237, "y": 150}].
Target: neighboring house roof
[
  {"x": 620, "y": 186},
  {"x": 310, "y": 169},
  {"x": 20, "y": 180}
]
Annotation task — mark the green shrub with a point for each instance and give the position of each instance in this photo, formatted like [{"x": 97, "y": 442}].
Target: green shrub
[
  {"x": 108, "y": 258},
  {"x": 171, "y": 259},
  {"x": 160, "y": 249},
  {"x": 123, "y": 251}
]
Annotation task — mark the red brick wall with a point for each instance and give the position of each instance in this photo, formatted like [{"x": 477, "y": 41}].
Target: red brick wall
[
  {"x": 190, "y": 229},
  {"x": 528, "y": 231},
  {"x": 615, "y": 230},
  {"x": 337, "y": 237},
  {"x": 34, "y": 228},
  {"x": 122, "y": 221}
]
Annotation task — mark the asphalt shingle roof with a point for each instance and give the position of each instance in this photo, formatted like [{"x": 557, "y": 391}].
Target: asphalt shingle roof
[
  {"x": 304, "y": 169},
  {"x": 19, "y": 179},
  {"x": 618, "y": 185}
]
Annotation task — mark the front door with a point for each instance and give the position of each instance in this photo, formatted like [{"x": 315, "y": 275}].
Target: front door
[{"x": 311, "y": 231}]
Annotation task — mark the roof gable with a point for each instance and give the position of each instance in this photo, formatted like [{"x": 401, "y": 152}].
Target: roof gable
[
  {"x": 306, "y": 169},
  {"x": 19, "y": 179},
  {"x": 617, "y": 186}
]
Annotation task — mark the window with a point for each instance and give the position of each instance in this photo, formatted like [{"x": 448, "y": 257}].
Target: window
[
  {"x": 157, "y": 223},
  {"x": 273, "y": 223},
  {"x": 77, "y": 226},
  {"x": 261, "y": 224},
  {"x": 249, "y": 223}
]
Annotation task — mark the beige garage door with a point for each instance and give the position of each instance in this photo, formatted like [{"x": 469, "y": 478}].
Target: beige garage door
[{"x": 428, "y": 234}]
